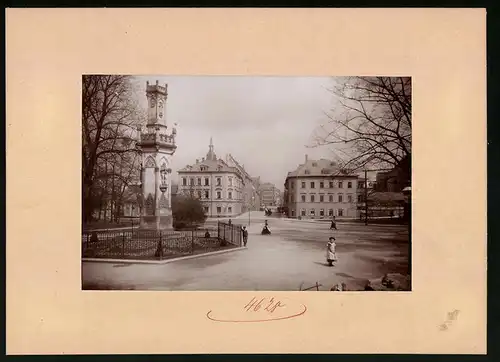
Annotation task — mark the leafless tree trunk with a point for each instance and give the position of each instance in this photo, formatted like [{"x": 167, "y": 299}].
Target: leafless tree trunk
[{"x": 109, "y": 112}]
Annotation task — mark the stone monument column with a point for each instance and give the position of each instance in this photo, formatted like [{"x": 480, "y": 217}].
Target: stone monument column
[{"x": 157, "y": 147}]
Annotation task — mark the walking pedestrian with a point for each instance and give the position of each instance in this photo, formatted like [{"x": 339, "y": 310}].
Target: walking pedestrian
[
  {"x": 334, "y": 224},
  {"x": 245, "y": 235},
  {"x": 331, "y": 256}
]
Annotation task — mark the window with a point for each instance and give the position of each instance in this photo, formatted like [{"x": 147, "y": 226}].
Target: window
[
  {"x": 199, "y": 194},
  {"x": 360, "y": 198},
  {"x": 206, "y": 181},
  {"x": 229, "y": 195},
  {"x": 341, "y": 212},
  {"x": 303, "y": 197},
  {"x": 191, "y": 181},
  {"x": 230, "y": 181},
  {"x": 292, "y": 199},
  {"x": 291, "y": 184},
  {"x": 203, "y": 168},
  {"x": 330, "y": 198},
  {"x": 322, "y": 212},
  {"x": 199, "y": 181},
  {"x": 321, "y": 198},
  {"x": 205, "y": 209},
  {"x": 229, "y": 209},
  {"x": 184, "y": 181},
  {"x": 306, "y": 172},
  {"x": 303, "y": 212},
  {"x": 361, "y": 185},
  {"x": 303, "y": 185},
  {"x": 293, "y": 213},
  {"x": 340, "y": 184},
  {"x": 219, "y": 209},
  {"x": 312, "y": 198},
  {"x": 330, "y": 212},
  {"x": 331, "y": 184},
  {"x": 206, "y": 194},
  {"x": 314, "y": 164},
  {"x": 219, "y": 181},
  {"x": 312, "y": 184},
  {"x": 349, "y": 185},
  {"x": 349, "y": 198},
  {"x": 218, "y": 194},
  {"x": 321, "y": 185},
  {"x": 312, "y": 212},
  {"x": 340, "y": 198}
]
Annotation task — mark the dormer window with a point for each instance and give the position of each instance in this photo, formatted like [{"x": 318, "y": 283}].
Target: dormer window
[
  {"x": 307, "y": 172},
  {"x": 325, "y": 171},
  {"x": 314, "y": 164}
]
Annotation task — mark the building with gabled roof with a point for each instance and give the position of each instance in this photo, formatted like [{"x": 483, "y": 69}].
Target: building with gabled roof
[{"x": 218, "y": 185}]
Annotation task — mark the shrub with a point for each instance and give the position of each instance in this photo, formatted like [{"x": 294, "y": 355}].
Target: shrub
[{"x": 187, "y": 212}]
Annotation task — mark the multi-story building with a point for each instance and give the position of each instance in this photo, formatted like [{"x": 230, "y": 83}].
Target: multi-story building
[
  {"x": 269, "y": 194},
  {"x": 218, "y": 185},
  {"x": 251, "y": 196},
  {"x": 317, "y": 189}
]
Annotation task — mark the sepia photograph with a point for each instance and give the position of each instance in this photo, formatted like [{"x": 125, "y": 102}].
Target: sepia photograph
[{"x": 246, "y": 183}]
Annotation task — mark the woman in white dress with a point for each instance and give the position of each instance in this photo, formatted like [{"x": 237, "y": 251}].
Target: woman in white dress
[{"x": 331, "y": 256}]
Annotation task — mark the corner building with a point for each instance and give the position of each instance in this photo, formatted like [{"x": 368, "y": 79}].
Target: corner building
[
  {"x": 218, "y": 185},
  {"x": 317, "y": 189}
]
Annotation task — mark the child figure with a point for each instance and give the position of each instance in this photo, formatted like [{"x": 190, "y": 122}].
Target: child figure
[{"x": 331, "y": 256}]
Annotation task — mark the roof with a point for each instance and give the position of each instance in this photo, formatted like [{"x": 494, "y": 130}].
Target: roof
[
  {"x": 321, "y": 167},
  {"x": 386, "y": 197},
  {"x": 209, "y": 166}
]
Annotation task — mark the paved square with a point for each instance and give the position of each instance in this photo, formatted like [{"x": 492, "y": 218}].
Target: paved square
[{"x": 293, "y": 257}]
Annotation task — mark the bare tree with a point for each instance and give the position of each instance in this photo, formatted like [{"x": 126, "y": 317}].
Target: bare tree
[
  {"x": 109, "y": 114},
  {"x": 371, "y": 125}
]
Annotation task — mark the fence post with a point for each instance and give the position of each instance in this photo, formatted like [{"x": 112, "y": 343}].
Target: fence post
[
  {"x": 192, "y": 241},
  {"x": 123, "y": 244}
]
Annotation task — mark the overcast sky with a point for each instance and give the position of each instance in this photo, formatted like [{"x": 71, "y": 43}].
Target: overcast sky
[{"x": 264, "y": 122}]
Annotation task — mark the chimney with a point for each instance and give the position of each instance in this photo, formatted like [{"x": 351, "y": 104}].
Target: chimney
[{"x": 306, "y": 158}]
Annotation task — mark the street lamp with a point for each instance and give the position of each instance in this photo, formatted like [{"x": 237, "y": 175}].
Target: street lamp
[
  {"x": 132, "y": 217},
  {"x": 407, "y": 193},
  {"x": 250, "y": 210}
]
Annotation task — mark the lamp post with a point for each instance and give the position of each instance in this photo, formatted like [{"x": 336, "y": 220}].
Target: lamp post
[
  {"x": 407, "y": 193},
  {"x": 250, "y": 209},
  {"x": 132, "y": 217}
]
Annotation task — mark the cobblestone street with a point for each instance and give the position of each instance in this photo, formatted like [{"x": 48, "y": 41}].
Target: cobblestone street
[{"x": 293, "y": 257}]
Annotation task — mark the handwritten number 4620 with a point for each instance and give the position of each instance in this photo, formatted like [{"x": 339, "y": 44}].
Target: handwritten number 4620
[{"x": 269, "y": 306}]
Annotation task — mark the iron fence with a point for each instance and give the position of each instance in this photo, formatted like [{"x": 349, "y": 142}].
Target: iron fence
[
  {"x": 231, "y": 233},
  {"x": 153, "y": 244}
]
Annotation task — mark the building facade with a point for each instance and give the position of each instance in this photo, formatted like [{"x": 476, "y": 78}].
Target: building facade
[
  {"x": 219, "y": 186},
  {"x": 251, "y": 196},
  {"x": 317, "y": 189},
  {"x": 269, "y": 195}
]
